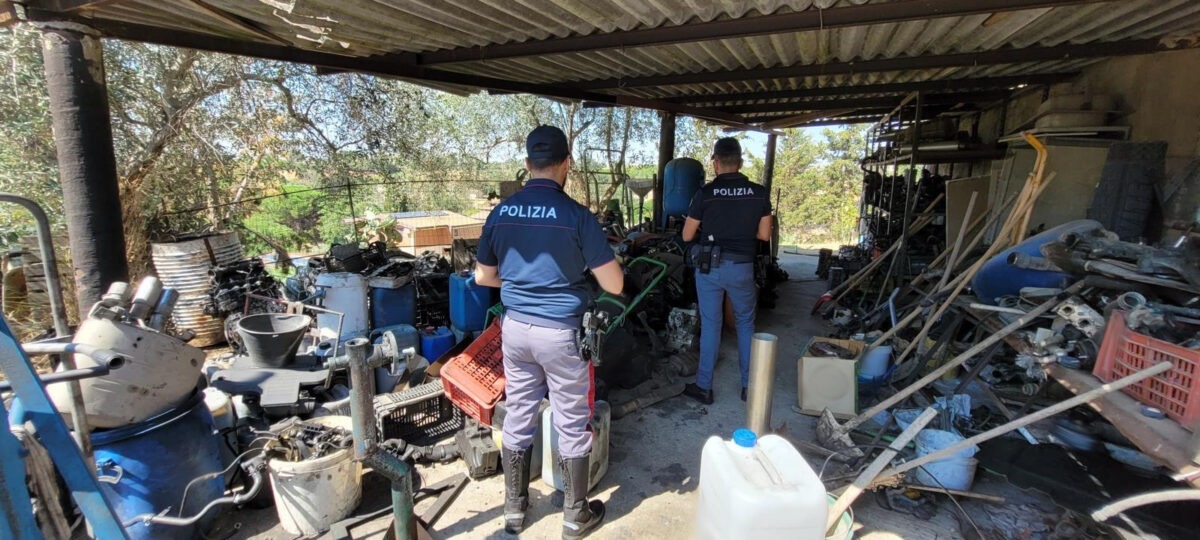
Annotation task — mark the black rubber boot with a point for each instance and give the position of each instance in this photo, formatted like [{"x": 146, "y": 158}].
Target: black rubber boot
[
  {"x": 580, "y": 516},
  {"x": 516, "y": 488},
  {"x": 699, "y": 394}
]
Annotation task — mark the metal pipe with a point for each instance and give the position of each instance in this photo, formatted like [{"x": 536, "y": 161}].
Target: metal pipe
[
  {"x": 72, "y": 375},
  {"x": 58, "y": 312},
  {"x": 163, "y": 309},
  {"x": 102, "y": 356},
  {"x": 997, "y": 309},
  {"x": 1169, "y": 495},
  {"x": 58, "y": 308},
  {"x": 366, "y": 443},
  {"x": 253, "y": 468},
  {"x": 762, "y": 377},
  {"x": 1157, "y": 369},
  {"x": 145, "y": 298}
]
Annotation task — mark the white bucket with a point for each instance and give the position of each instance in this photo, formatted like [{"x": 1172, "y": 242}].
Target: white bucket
[
  {"x": 956, "y": 471},
  {"x": 312, "y": 495},
  {"x": 875, "y": 363},
  {"x": 905, "y": 417}
]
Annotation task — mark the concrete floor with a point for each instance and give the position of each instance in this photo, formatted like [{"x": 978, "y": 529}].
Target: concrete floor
[{"x": 650, "y": 488}]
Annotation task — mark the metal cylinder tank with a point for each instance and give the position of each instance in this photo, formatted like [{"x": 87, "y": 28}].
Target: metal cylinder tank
[{"x": 184, "y": 266}]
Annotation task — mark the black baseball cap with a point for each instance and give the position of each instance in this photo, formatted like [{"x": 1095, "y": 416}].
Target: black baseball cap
[
  {"x": 546, "y": 142},
  {"x": 727, "y": 147}
]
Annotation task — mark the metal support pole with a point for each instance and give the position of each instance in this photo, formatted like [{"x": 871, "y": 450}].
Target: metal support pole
[
  {"x": 769, "y": 161},
  {"x": 666, "y": 151},
  {"x": 74, "y": 65},
  {"x": 366, "y": 440},
  {"x": 762, "y": 379}
]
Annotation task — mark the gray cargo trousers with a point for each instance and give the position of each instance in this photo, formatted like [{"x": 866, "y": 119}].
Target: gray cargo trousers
[{"x": 537, "y": 359}]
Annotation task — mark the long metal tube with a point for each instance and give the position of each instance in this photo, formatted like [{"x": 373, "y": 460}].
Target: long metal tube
[
  {"x": 58, "y": 308},
  {"x": 102, "y": 356},
  {"x": 1169, "y": 495},
  {"x": 366, "y": 443},
  {"x": 762, "y": 379},
  {"x": 253, "y": 469},
  {"x": 72, "y": 375},
  {"x": 58, "y": 312}
]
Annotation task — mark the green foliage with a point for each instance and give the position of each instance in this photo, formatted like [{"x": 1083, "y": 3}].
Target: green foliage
[
  {"x": 208, "y": 141},
  {"x": 818, "y": 181},
  {"x": 27, "y": 158}
]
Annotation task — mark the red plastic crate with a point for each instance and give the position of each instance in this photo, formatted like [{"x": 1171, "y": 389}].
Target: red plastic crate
[
  {"x": 1176, "y": 392},
  {"x": 474, "y": 380}
]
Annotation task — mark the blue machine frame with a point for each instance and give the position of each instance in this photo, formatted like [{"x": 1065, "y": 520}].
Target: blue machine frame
[{"x": 85, "y": 489}]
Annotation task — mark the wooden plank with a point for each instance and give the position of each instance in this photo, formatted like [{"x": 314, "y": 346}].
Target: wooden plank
[{"x": 1163, "y": 440}]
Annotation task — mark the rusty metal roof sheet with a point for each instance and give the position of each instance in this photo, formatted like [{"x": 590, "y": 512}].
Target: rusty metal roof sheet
[{"x": 400, "y": 32}]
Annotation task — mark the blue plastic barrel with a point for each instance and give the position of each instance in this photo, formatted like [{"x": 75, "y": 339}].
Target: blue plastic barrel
[
  {"x": 682, "y": 178},
  {"x": 390, "y": 307},
  {"x": 406, "y": 336},
  {"x": 469, "y": 302},
  {"x": 145, "y": 468},
  {"x": 436, "y": 341},
  {"x": 997, "y": 278}
]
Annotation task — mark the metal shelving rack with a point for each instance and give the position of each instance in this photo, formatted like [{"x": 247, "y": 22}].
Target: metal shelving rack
[{"x": 890, "y": 157}]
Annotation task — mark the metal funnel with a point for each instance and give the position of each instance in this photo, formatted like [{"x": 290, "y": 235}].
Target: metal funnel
[{"x": 271, "y": 339}]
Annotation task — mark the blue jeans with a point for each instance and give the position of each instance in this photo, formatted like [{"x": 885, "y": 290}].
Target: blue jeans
[{"x": 737, "y": 281}]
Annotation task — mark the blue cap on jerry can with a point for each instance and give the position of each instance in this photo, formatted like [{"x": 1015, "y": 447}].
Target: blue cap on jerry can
[{"x": 745, "y": 438}]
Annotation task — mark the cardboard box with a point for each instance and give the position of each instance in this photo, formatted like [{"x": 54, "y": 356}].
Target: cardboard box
[{"x": 829, "y": 382}]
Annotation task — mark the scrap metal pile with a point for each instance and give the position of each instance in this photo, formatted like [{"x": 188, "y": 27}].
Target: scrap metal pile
[{"x": 980, "y": 337}]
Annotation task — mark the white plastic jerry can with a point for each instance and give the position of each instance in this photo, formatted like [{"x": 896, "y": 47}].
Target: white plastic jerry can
[
  {"x": 759, "y": 488},
  {"x": 597, "y": 461}
]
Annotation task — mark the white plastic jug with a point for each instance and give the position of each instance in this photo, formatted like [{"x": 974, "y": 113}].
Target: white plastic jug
[
  {"x": 601, "y": 423},
  {"x": 758, "y": 488}
]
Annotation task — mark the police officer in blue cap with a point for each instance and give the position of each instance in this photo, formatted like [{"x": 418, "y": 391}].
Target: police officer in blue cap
[
  {"x": 726, "y": 219},
  {"x": 537, "y": 246}
]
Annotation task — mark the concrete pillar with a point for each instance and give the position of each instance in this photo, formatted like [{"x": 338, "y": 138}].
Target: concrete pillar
[
  {"x": 87, "y": 169},
  {"x": 666, "y": 151},
  {"x": 769, "y": 162}
]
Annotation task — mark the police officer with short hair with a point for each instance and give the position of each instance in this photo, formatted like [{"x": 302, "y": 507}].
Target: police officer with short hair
[
  {"x": 727, "y": 218},
  {"x": 536, "y": 246}
]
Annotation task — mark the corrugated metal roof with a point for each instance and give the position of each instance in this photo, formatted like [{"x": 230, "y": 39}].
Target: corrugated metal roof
[{"x": 370, "y": 28}]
